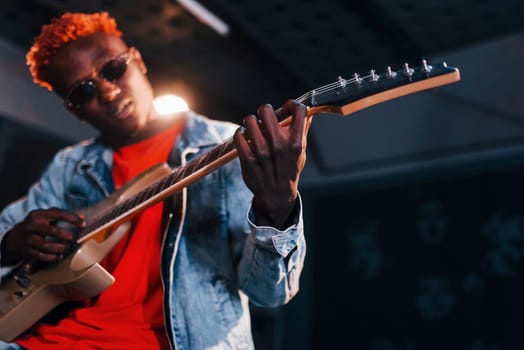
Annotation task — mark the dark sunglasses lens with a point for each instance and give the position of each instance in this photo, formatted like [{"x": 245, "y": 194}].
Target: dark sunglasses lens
[
  {"x": 82, "y": 93},
  {"x": 113, "y": 70}
]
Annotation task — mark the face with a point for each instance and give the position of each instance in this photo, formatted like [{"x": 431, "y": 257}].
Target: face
[{"x": 115, "y": 97}]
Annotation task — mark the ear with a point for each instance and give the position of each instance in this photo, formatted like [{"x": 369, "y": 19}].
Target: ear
[{"x": 135, "y": 54}]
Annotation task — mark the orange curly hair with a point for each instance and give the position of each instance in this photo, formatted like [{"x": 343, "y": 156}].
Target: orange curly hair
[{"x": 61, "y": 30}]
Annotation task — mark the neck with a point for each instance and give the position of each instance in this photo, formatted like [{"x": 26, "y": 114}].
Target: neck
[{"x": 154, "y": 126}]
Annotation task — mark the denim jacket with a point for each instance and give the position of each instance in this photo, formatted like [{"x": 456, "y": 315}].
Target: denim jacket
[{"x": 214, "y": 258}]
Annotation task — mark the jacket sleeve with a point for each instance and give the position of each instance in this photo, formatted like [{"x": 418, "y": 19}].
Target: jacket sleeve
[
  {"x": 44, "y": 193},
  {"x": 270, "y": 261}
]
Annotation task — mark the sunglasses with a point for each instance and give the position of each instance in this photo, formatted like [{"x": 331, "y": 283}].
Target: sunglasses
[{"x": 85, "y": 90}]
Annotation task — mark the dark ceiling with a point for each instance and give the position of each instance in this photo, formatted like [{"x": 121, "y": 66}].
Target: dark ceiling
[{"x": 276, "y": 49}]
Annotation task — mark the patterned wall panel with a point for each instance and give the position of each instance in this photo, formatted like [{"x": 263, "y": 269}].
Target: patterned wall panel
[{"x": 434, "y": 265}]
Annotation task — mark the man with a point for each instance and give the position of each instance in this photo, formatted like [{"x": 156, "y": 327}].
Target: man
[{"x": 184, "y": 270}]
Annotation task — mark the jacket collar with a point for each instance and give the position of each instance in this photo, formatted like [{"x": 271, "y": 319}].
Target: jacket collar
[
  {"x": 96, "y": 162},
  {"x": 198, "y": 132}
]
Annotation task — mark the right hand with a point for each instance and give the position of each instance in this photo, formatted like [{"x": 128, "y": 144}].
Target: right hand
[{"x": 39, "y": 238}]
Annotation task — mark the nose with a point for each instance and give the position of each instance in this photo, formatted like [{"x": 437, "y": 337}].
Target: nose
[{"x": 108, "y": 90}]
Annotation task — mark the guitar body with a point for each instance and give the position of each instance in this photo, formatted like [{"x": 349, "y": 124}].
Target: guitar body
[{"x": 78, "y": 276}]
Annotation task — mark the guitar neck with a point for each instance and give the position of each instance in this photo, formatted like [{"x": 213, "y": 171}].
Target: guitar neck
[{"x": 343, "y": 97}]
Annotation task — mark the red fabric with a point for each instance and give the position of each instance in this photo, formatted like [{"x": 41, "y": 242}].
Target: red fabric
[{"x": 129, "y": 314}]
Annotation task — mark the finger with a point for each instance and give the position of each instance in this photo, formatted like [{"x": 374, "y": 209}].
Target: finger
[
  {"x": 42, "y": 256},
  {"x": 39, "y": 219},
  {"x": 52, "y": 247},
  {"x": 242, "y": 145},
  {"x": 245, "y": 152},
  {"x": 298, "y": 122},
  {"x": 60, "y": 233},
  {"x": 246, "y": 157},
  {"x": 47, "y": 244},
  {"x": 38, "y": 228},
  {"x": 270, "y": 125},
  {"x": 56, "y": 214},
  {"x": 256, "y": 139},
  {"x": 48, "y": 229}
]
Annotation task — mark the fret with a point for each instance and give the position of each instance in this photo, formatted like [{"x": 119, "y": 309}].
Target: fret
[
  {"x": 162, "y": 184},
  {"x": 183, "y": 172},
  {"x": 119, "y": 209},
  {"x": 173, "y": 178},
  {"x": 199, "y": 160},
  {"x": 158, "y": 186},
  {"x": 219, "y": 151},
  {"x": 142, "y": 196},
  {"x": 191, "y": 167}
]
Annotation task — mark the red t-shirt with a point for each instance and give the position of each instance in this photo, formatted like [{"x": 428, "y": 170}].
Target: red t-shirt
[{"x": 128, "y": 314}]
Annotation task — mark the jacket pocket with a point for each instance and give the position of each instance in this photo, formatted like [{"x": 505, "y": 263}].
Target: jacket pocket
[
  {"x": 206, "y": 205},
  {"x": 76, "y": 201}
]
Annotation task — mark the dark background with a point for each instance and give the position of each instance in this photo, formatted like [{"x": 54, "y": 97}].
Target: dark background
[{"x": 425, "y": 265}]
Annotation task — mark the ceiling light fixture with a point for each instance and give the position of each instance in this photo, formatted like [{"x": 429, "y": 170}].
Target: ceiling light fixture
[{"x": 205, "y": 16}]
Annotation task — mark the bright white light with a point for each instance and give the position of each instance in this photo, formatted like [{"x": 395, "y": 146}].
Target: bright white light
[{"x": 169, "y": 104}]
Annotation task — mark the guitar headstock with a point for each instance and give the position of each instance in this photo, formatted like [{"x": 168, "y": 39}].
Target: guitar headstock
[{"x": 345, "y": 96}]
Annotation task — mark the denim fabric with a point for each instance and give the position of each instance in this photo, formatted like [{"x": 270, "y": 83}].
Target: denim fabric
[
  {"x": 213, "y": 257},
  {"x": 10, "y": 346}
]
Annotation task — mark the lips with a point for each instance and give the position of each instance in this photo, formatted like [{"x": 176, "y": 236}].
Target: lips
[{"x": 123, "y": 110}]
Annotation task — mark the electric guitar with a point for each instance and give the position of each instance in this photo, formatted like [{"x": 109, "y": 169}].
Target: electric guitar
[{"x": 31, "y": 292}]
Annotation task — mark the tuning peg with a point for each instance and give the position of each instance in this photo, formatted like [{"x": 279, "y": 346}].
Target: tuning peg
[
  {"x": 425, "y": 67},
  {"x": 357, "y": 78},
  {"x": 407, "y": 70},
  {"x": 390, "y": 73},
  {"x": 341, "y": 81},
  {"x": 373, "y": 76}
]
